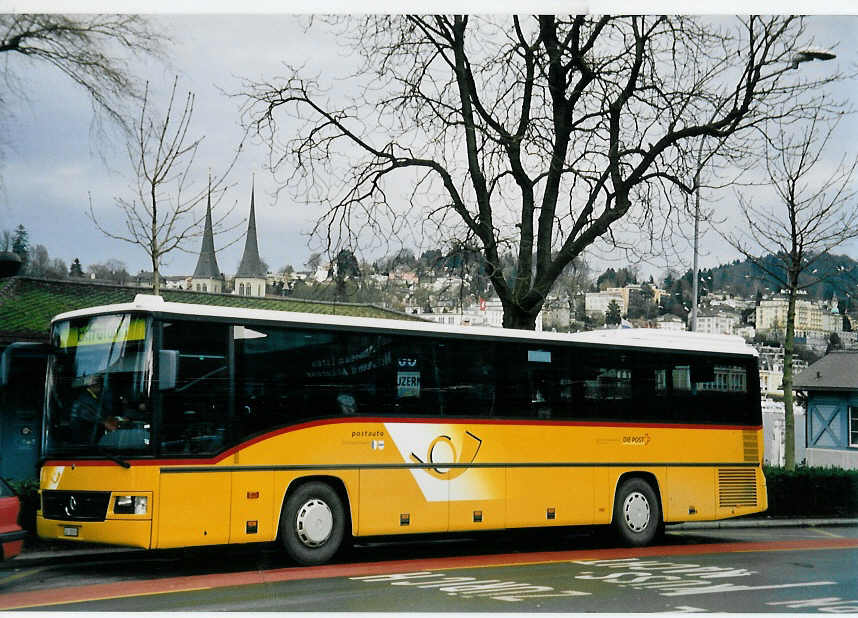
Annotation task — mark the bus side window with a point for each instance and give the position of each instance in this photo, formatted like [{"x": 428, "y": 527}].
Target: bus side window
[
  {"x": 406, "y": 377},
  {"x": 608, "y": 386},
  {"x": 543, "y": 393},
  {"x": 467, "y": 378},
  {"x": 291, "y": 375},
  {"x": 513, "y": 392},
  {"x": 723, "y": 391},
  {"x": 534, "y": 383}
]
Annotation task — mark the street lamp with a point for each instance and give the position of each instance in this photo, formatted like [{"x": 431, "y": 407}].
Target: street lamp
[{"x": 807, "y": 54}]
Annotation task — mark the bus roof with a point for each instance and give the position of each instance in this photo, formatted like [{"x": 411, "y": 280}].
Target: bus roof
[{"x": 621, "y": 337}]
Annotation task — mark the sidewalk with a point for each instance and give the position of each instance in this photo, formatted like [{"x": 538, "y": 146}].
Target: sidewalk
[
  {"x": 38, "y": 552},
  {"x": 774, "y": 522}
]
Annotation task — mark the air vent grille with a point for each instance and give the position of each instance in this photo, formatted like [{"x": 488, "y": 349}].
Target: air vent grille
[
  {"x": 737, "y": 487},
  {"x": 749, "y": 446}
]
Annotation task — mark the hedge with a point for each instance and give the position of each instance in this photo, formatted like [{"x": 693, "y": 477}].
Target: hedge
[{"x": 812, "y": 492}]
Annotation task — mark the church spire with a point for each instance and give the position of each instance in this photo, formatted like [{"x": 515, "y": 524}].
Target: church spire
[
  {"x": 207, "y": 263},
  {"x": 251, "y": 265}
]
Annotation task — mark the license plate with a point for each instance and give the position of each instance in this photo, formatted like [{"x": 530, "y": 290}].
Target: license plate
[{"x": 70, "y": 531}]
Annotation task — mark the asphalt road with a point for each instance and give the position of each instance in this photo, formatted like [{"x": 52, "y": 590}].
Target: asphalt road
[{"x": 736, "y": 570}]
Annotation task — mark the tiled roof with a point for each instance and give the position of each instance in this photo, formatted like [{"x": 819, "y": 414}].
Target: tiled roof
[
  {"x": 27, "y": 305},
  {"x": 837, "y": 370}
]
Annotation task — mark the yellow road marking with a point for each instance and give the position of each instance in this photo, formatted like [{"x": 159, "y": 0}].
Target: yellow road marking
[
  {"x": 21, "y": 575},
  {"x": 107, "y": 598},
  {"x": 836, "y": 536}
]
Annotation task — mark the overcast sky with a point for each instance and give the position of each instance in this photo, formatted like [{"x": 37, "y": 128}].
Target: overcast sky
[{"x": 52, "y": 162}]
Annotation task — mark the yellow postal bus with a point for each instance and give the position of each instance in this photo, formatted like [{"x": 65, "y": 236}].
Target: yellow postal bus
[{"x": 171, "y": 425}]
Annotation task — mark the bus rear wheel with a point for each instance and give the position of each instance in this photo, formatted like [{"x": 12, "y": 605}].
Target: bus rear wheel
[
  {"x": 312, "y": 524},
  {"x": 637, "y": 512}
]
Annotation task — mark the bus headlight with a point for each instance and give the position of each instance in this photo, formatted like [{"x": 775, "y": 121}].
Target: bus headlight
[{"x": 130, "y": 505}]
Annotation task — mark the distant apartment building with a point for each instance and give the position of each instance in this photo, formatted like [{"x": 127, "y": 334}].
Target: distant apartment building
[
  {"x": 848, "y": 339},
  {"x": 143, "y": 279},
  {"x": 598, "y": 302},
  {"x": 487, "y": 313},
  {"x": 403, "y": 276},
  {"x": 556, "y": 314},
  {"x": 720, "y": 299},
  {"x": 747, "y": 332},
  {"x": 177, "y": 282},
  {"x": 446, "y": 284},
  {"x": 718, "y": 323},
  {"x": 810, "y": 317},
  {"x": 628, "y": 292},
  {"x": 669, "y": 321},
  {"x": 771, "y": 360}
]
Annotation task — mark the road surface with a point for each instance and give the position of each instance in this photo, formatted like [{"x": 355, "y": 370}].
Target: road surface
[{"x": 738, "y": 571}]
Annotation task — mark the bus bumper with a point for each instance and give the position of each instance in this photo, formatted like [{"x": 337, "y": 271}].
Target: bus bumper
[{"x": 128, "y": 533}]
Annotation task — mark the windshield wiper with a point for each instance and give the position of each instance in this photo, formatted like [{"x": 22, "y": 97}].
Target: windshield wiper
[{"x": 114, "y": 458}]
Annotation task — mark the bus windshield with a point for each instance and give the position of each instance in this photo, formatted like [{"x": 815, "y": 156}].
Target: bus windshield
[{"x": 98, "y": 386}]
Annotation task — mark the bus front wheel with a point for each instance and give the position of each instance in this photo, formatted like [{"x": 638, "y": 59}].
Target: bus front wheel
[
  {"x": 312, "y": 525},
  {"x": 637, "y": 513}
]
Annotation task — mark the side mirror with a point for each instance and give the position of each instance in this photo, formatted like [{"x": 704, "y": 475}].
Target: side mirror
[{"x": 168, "y": 369}]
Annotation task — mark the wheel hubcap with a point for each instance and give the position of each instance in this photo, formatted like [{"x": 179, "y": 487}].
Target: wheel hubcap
[
  {"x": 636, "y": 511},
  {"x": 314, "y": 523}
]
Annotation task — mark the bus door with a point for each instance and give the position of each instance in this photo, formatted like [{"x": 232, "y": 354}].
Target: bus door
[
  {"x": 22, "y": 388},
  {"x": 195, "y": 407}
]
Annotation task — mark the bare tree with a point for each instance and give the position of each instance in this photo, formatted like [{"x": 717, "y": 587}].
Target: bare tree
[
  {"x": 40, "y": 264},
  {"x": 163, "y": 214},
  {"x": 84, "y": 48},
  {"x": 313, "y": 262},
  {"x": 541, "y": 136},
  {"x": 814, "y": 213},
  {"x": 112, "y": 270}
]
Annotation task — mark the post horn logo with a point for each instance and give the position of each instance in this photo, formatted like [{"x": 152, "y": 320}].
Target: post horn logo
[{"x": 441, "y": 451}]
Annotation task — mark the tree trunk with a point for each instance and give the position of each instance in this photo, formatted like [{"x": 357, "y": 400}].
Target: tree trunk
[
  {"x": 789, "y": 418},
  {"x": 514, "y": 316},
  {"x": 156, "y": 277},
  {"x": 153, "y": 246}
]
